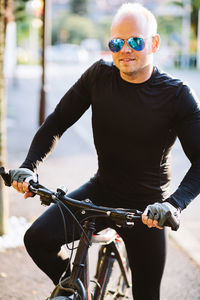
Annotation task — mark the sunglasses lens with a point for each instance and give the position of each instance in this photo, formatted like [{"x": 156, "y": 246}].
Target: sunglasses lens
[
  {"x": 116, "y": 45},
  {"x": 136, "y": 43}
]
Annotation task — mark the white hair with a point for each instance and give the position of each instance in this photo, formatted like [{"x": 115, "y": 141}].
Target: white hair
[{"x": 135, "y": 9}]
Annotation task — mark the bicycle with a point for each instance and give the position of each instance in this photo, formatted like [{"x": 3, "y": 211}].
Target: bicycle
[{"x": 112, "y": 253}]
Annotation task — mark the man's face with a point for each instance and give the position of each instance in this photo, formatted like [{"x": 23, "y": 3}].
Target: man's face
[{"x": 131, "y": 63}]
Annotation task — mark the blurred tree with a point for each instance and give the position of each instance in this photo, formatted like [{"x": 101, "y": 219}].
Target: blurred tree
[
  {"x": 7, "y": 10},
  {"x": 72, "y": 28},
  {"x": 169, "y": 24},
  {"x": 19, "y": 9},
  {"x": 3, "y": 198},
  {"x": 189, "y": 31},
  {"x": 6, "y": 15},
  {"x": 195, "y": 6},
  {"x": 79, "y": 6},
  {"x": 21, "y": 19}
]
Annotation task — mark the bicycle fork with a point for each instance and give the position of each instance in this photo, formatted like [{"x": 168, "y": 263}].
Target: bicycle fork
[{"x": 78, "y": 282}]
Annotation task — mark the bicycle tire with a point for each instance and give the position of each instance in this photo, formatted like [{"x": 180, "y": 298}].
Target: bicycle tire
[{"x": 112, "y": 286}]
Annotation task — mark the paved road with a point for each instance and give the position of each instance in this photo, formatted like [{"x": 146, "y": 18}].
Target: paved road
[{"x": 75, "y": 150}]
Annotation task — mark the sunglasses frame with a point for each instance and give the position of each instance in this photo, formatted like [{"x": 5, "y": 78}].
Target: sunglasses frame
[{"x": 112, "y": 44}]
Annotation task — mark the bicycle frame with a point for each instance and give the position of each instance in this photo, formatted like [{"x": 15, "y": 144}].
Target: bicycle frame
[{"x": 78, "y": 282}]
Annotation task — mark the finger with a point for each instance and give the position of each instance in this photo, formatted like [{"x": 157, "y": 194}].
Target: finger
[
  {"x": 150, "y": 223},
  {"x": 28, "y": 194},
  {"x": 155, "y": 223},
  {"x": 20, "y": 187},
  {"x": 159, "y": 227},
  {"x": 14, "y": 184},
  {"x": 25, "y": 187},
  {"x": 144, "y": 219}
]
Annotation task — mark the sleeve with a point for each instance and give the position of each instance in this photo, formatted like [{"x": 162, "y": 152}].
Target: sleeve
[
  {"x": 70, "y": 108},
  {"x": 187, "y": 126}
]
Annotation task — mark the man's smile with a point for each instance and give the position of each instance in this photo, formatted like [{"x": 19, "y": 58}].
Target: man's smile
[{"x": 126, "y": 60}]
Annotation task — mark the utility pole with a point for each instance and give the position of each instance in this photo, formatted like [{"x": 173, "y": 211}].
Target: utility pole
[
  {"x": 43, "y": 79},
  {"x": 3, "y": 198},
  {"x": 46, "y": 40}
]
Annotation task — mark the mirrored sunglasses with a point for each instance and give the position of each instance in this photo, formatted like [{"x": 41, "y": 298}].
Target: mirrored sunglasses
[{"x": 137, "y": 43}]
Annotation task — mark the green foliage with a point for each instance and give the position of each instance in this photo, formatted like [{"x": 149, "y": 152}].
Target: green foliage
[
  {"x": 22, "y": 20},
  {"x": 178, "y": 3},
  {"x": 195, "y": 6},
  {"x": 19, "y": 9},
  {"x": 194, "y": 15},
  {"x": 79, "y": 6},
  {"x": 168, "y": 25},
  {"x": 22, "y": 30},
  {"x": 71, "y": 28}
]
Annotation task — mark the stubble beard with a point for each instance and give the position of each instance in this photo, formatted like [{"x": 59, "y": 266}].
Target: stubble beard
[
  {"x": 130, "y": 74},
  {"x": 134, "y": 73}
]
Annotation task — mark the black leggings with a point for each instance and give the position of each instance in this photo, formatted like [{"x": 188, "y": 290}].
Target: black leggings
[{"x": 145, "y": 247}]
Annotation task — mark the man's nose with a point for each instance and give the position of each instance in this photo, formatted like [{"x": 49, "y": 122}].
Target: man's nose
[{"x": 126, "y": 47}]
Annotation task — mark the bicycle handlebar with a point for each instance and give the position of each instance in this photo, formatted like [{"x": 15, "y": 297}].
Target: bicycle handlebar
[
  {"x": 123, "y": 217},
  {"x": 119, "y": 215}
]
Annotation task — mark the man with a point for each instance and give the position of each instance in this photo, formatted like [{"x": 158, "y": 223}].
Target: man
[{"x": 137, "y": 113}]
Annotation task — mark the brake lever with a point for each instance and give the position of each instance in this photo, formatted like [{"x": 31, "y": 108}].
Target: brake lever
[{"x": 44, "y": 194}]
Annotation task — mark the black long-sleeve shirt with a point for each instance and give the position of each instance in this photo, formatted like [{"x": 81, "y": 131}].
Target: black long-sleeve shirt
[{"x": 134, "y": 128}]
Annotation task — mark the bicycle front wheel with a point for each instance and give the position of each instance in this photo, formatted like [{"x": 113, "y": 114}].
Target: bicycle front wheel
[{"x": 113, "y": 275}]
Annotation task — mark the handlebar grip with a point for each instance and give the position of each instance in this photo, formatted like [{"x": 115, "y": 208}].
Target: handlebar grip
[
  {"x": 5, "y": 176},
  {"x": 172, "y": 221}
]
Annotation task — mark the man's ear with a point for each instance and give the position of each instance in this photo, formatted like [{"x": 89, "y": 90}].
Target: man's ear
[{"x": 155, "y": 43}]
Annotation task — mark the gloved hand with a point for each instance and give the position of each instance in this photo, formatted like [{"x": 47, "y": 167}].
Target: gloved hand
[
  {"x": 155, "y": 215},
  {"x": 20, "y": 179},
  {"x": 23, "y": 174}
]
